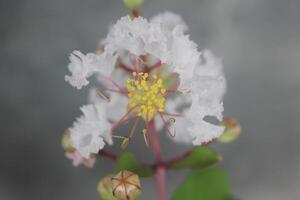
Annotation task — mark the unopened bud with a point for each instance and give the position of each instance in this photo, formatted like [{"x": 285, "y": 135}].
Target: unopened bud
[
  {"x": 66, "y": 144},
  {"x": 231, "y": 132},
  {"x": 133, "y": 4},
  {"x": 126, "y": 185},
  {"x": 105, "y": 188}
]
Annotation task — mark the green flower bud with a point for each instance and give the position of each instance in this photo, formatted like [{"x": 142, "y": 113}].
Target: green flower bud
[
  {"x": 126, "y": 185},
  {"x": 232, "y": 130},
  {"x": 65, "y": 142},
  {"x": 105, "y": 188},
  {"x": 133, "y": 4}
]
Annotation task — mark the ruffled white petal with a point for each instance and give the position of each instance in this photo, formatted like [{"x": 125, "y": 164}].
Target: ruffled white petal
[
  {"x": 169, "y": 20},
  {"x": 209, "y": 85},
  {"x": 115, "y": 108},
  {"x": 91, "y": 130},
  {"x": 184, "y": 56},
  {"x": 202, "y": 131},
  {"x": 83, "y": 66},
  {"x": 206, "y": 89},
  {"x": 127, "y": 34}
]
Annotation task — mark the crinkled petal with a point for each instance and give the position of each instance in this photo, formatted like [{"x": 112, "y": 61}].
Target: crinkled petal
[
  {"x": 137, "y": 36},
  {"x": 207, "y": 87},
  {"x": 91, "y": 130},
  {"x": 169, "y": 20},
  {"x": 203, "y": 132},
  {"x": 184, "y": 56},
  {"x": 83, "y": 66},
  {"x": 127, "y": 34}
]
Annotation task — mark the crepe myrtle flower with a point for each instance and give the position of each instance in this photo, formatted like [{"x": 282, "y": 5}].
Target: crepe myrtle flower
[{"x": 149, "y": 71}]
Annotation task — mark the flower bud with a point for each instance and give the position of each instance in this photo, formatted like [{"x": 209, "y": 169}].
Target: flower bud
[
  {"x": 66, "y": 144},
  {"x": 232, "y": 130},
  {"x": 133, "y": 4},
  {"x": 126, "y": 185},
  {"x": 105, "y": 188}
]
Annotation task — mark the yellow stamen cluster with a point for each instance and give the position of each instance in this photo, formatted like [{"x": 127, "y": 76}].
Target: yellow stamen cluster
[{"x": 146, "y": 94}]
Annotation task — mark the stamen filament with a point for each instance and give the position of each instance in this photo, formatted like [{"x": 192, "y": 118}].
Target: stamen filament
[
  {"x": 101, "y": 94},
  {"x": 172, "y": 114},
  {"x": 132, "y": 131},
  {"x": 101, "y": 90},
  {"x": 114, "y": 83},
  {"x": 119, "y": 136},
  {"x": 122, "y": 119},
  {"x": 144, "y": 132},
  {"x": 166, "y": 126},
  {"x": 125, "y": 67}
]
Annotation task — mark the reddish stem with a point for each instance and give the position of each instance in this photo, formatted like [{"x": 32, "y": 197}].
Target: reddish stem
[
  {"x": 107, "y": 155},
  {"x": 170, "y": 162},
  {"x": 135, "y": 12},
  {"x": 125, "y": 67},
  {"x": 160, "y": 169}
]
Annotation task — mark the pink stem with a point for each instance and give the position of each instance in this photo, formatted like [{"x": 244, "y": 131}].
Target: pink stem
[
  {"x": 114, "y": 83},
  {"x": 160, "y": 170},
  {"x": 172, "y": 114},
  {"x": 126, "y": 68},
  {"x": 107, "y": 154},
  {"x": 112, "y": 90}
]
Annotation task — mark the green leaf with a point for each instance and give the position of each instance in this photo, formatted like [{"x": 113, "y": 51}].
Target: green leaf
[
  {"x": 126, "y": 161},
  {"x": 232, "y": 130},
  {"x": 200, "y": 157},
  {"x": 133, "y": 4},
  {"x": 207, "y": 184}
]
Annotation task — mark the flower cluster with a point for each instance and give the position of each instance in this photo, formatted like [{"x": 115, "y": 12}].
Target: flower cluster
[{"x": 149, "y": 71}]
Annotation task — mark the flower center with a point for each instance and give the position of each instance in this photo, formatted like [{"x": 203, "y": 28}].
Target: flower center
[{"x": 146, "y": 94}]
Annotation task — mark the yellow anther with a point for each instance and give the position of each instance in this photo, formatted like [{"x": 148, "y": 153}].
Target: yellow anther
[{"x": 146, "y": 94}]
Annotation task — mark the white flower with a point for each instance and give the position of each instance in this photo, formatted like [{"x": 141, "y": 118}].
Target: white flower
[
  {"x": 91, "y": 130},
  {"x": 169, "y": 20},
  {"x": 159, "y": 75},
  {"x": 83, "y": 66}
]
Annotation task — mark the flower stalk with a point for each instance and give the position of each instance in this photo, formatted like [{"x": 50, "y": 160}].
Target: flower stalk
[{"x": 160, "y": 169}]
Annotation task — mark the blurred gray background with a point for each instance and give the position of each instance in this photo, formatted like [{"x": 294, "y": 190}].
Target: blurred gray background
[{"x": 259, "y": 41}]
